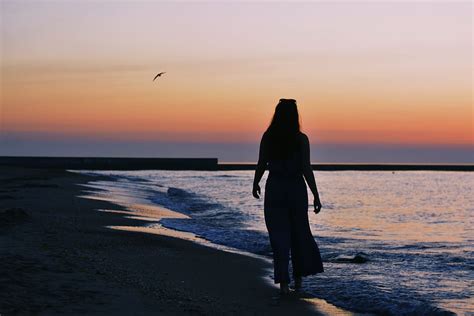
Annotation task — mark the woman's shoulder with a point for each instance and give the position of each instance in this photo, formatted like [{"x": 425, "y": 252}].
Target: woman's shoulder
[
  {"x": 304, "y": 137},
  {"x": 265, "y": 135}
]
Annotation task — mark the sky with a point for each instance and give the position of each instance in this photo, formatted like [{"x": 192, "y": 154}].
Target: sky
[{"x": 374, "y": 81}]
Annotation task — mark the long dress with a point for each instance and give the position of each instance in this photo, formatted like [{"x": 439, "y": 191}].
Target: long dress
[{"x": 286, "y": 218}]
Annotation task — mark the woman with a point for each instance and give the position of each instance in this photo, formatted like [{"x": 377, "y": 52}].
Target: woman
[{"x": 284, "y": 149}]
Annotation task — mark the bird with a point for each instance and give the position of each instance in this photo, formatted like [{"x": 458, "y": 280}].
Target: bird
[{"x": 158, "y": 75}]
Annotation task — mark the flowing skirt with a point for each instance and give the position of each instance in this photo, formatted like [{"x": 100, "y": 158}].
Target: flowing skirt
[{"x": 286, "y": 218}]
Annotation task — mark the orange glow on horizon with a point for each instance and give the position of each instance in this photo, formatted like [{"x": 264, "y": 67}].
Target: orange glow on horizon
[{"x": 408, "y": 83}]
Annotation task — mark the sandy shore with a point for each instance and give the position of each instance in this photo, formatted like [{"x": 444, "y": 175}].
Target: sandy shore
[{"x": 65, "y": 256}]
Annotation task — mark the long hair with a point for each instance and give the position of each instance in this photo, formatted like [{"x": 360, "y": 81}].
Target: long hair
[{"x": 283, "y": 132}]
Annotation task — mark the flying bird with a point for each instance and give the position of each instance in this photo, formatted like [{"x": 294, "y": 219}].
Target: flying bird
[{"x": 158, "y": 75}]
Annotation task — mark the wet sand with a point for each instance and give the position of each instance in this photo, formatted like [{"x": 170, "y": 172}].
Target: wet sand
[{"x": 65, "y": 253}]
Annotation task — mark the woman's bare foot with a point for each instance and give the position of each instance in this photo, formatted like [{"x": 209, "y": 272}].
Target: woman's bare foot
[{"x": 284, "y": 289}]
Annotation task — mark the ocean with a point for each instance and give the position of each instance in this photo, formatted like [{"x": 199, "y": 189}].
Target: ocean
[{"x": 392, "y": 243}]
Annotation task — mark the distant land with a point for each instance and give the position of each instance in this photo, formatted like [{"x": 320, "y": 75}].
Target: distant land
[{"x": 113, "y": 163}]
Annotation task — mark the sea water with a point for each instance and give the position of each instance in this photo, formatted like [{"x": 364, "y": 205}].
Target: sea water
[{"x": 396, "y": 243}]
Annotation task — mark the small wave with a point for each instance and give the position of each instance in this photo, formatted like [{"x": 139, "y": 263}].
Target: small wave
[
  {"x": 427, "y": 310},
  {"x": 412, "y": 246},
  {"x": 357, "y": 258},
  {"x": 218, "y": 233},
  {"x": 177, "y": 192},
  {"x": 188, "y": 201},
  {"x": 426, "y": 245},
  {"x": 329, "y": 206},
  {"x": 135, "y": 179}
]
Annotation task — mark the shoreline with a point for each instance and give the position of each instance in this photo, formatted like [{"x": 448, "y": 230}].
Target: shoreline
[
  {"x": 64, "y": 255},
  {"x": 147, "y": 213}
]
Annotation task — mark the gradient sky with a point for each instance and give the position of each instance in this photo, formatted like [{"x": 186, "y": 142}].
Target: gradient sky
[{"x": 382, "y": 75}]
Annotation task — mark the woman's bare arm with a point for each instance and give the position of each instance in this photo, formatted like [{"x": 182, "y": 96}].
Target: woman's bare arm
[
  {"x": 261, "y": 166},
  {"x": 308, "y": 172}
]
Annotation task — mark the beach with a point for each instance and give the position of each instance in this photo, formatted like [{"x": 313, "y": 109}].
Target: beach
[{"x": 61, "y": 254}]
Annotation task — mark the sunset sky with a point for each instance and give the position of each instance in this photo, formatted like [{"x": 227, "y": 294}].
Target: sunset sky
[{"x": 381, "y": 79}]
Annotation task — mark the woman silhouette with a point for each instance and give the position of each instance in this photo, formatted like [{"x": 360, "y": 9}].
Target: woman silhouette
[{"x": 284, "y": 149}]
